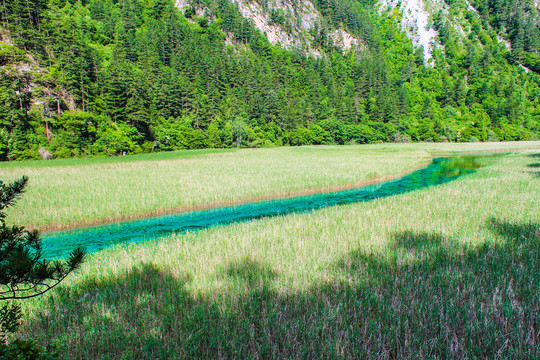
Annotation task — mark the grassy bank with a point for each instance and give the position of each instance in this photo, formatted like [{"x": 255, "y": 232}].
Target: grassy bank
[
  {"x": 92, "y": 190},
  {"x": 64, "y": 193},
  {"x": 446, "y": 272}
]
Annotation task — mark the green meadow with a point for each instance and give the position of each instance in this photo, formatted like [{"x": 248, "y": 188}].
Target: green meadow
[
  {"x": 70, "y": 192},
  {"x": 445, "y": 272}
]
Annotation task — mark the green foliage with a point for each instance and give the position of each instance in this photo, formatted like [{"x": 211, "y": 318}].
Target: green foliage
[
  {"x": 23, "y": 272},
  {"x": 112, "y": 71},
  {"x": 116, "y": 140},
  {"x": 279, "y": 17},
  {"x": 519, "y": 22},
  {"x": 26, "y": 350},
  {"x": 10, "y": 54}
]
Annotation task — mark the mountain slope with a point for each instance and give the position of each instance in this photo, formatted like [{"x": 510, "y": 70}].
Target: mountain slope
[
  {"x": 516, "y": 24},
  {"x": 104, "y": 77},
  {"x": 415, "y": 22}
]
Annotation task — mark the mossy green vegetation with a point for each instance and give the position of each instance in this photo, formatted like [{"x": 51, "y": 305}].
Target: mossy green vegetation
[{"x": 449, "y": 271}]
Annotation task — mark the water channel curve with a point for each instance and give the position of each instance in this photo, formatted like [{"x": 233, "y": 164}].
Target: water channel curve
[{"x": 59, "y": 244}]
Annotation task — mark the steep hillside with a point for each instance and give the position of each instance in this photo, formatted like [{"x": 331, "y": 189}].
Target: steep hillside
[
  {"x": 516, "y": 24},
  {"x": 106, "y": 77},
  {"x": 415, "y": 21},
  {"x": 290, "y": 24}
]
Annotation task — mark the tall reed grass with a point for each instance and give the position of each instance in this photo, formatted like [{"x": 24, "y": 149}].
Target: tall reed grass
[
  {"x": 445, "y": 272},
  {"x": 67, "y": 193},
  {"x": 86, "y": 191}
]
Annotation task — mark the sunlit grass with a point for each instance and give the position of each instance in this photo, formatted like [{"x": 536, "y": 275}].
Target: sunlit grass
[
  {"x": 85, "y": 191},
  {"x": 445, "y": 272}
]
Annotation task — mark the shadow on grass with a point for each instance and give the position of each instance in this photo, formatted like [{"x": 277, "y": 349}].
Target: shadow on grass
[
  {"x": 427, "y": 297},
  {"x": 534, "y": 166},
  {"x": 254, "y": 274},
  {"x": 535, "y": 174}
]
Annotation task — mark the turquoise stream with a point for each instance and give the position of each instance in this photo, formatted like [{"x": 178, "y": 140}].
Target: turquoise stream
[{"x": 59, "y": 244}]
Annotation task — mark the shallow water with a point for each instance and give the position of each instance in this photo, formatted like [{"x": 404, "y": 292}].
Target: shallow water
[{"x": 59, "y": 244}]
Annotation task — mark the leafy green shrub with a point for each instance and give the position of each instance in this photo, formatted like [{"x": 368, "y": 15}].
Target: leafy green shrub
[
  {"x": 62, "y": 152},
  {"x": 10, "y": 54},
  {"x": 492, "y": 136}
]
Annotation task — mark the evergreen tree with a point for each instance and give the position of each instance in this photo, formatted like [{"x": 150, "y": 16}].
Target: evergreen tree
[
  {"x": 23, "y": 272},
  {"x": 128, "y": 63}
]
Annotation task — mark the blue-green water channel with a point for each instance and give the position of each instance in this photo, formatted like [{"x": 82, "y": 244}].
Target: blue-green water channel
[{"x": 59, "y": 244}]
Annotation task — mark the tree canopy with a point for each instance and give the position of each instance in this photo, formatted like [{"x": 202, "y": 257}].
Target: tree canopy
[{"x": 103, "y": 78}]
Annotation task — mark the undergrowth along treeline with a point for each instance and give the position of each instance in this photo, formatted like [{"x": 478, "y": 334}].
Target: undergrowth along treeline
[
  {"x": 446, "y": 272},
  {"x": 102, "y": 78}
]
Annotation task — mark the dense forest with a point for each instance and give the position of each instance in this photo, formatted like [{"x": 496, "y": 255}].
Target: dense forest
[
  {"x": 107, "y": 77},
  {"x": 518, "y": 20}
]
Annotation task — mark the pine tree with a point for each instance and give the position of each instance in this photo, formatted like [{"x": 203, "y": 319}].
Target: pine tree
[{"x": 23, "y": 272}]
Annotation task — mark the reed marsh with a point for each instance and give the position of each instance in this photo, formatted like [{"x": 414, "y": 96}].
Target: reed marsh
[
  {"x": 93, "y": 190},
  {"x": 67, "y": 193},
  {"x": 446, "y": 272}
]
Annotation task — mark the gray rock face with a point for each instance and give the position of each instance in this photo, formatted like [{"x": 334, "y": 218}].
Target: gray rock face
[
  {"x": 293, "y": 32},
  {"x": 415, "y": 22}
]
